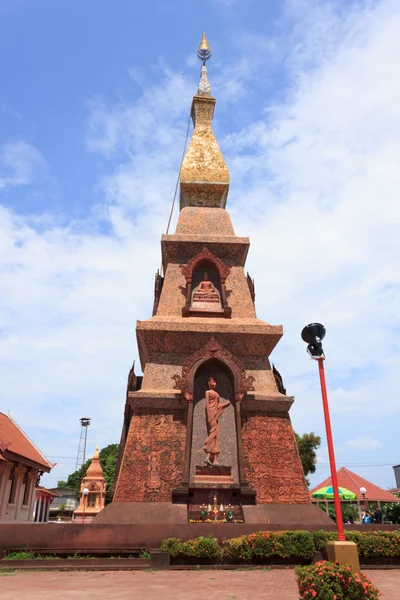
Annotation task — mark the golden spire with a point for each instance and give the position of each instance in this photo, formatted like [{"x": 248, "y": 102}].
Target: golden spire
[
  {"x": 204, "y": 176},
  {"x": 204, "y": 51},
  {"x": 96, "y": 454}
]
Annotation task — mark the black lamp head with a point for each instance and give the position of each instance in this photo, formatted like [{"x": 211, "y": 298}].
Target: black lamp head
[{"x": 313, "y": 335}]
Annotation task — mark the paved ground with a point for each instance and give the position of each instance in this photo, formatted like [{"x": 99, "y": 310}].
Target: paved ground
[{"x": 172, "y": 585}]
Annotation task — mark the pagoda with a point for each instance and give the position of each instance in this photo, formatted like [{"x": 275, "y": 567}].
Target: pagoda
[
  {"x": 208, "y": 422},
  {"x": 95, "y": 484}
]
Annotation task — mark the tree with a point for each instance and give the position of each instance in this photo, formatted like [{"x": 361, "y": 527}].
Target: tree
[
  {"x": 349, "y": 511},
  {"x": 307, "y": 444},
  {"x": 108, "y": 461},
  {"x": 391, "y": 511},
  {"x": 61, "y": 483}
]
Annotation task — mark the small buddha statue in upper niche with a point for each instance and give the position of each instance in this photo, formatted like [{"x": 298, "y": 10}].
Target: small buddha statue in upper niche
[{"x": 206, "y": 291}]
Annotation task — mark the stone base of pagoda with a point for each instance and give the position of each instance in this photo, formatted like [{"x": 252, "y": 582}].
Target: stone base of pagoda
[
  {"x": 278, "y": 516},
  {"x": 143, "y": 513},
  {"x": 282, "y": 515}
]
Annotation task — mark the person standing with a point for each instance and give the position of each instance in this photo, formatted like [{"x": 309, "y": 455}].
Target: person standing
[{"x": 378, "y": 515}]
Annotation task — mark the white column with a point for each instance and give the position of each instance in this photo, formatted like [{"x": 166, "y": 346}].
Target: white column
[
  {"x": 18, "y": 495},
  {"x": 35, "y": 510},
  {"x": 46, "y": 518},
  {"x": 41, "y": 510}
]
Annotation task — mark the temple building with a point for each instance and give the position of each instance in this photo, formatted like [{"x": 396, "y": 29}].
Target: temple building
[
  {"x": 348, "y": 480},
  {"x": 91, "y": 503},
  {"x": 208, "y": 423},
  {"x": 21, "y": 465}
]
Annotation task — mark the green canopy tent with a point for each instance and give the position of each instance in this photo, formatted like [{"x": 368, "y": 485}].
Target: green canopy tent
[{"x": 326, "y": 493}]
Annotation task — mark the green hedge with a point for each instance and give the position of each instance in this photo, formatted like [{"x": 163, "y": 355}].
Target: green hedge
[
  {"x": 282, "y": 544},
  {"x": 370, "y": 544}
]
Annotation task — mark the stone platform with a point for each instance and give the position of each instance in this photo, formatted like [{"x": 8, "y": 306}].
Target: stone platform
[
  {"x": 165, "y": 513},
  {"x": 214, "y": 475}
]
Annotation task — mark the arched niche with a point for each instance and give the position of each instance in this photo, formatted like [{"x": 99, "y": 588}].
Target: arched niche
[
  {"x": 227, "y": 423},
  {"x": 215, "y": 305},
  {"x": 206, "y": 288}
]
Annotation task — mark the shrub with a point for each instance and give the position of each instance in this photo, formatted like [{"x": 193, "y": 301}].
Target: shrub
[
  {"x": 375, "y": 544},
  {"x": 332, "y": 581},
  {"x": 283, "y": 544},
  {"x": 267, "y": 544},
  {"x": 20, "y": 556},
  {"x": 174, "y": 546},
  {"x": 201, "y": 547},
  {"x": 321, "y": 538},
  {"x": 237, "y": 548}
]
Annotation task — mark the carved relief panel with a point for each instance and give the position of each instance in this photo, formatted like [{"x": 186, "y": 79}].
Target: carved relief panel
[
  {"x": 272, "y": 462},
  {"x": 154, "y": 457}
]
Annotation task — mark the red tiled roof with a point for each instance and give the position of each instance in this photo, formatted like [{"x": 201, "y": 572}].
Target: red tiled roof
[
  {"x": 353, "y": 482},
  {"x": 13, "y": 439},
  {"x": 45, "y": 491}
]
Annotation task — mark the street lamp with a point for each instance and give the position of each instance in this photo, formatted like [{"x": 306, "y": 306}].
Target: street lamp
[
  {"x": 85, "y": 492},
  {"x": 313, "y": 335},
  {"x": 363, "y": 491}
]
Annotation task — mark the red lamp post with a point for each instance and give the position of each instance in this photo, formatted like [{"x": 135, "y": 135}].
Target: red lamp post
[{"x": 313, "y": 335}]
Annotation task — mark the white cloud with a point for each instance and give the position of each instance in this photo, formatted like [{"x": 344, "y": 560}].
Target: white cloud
[
  {"x": 364, "y": 443},
  {"x": 19, "y": 163}
]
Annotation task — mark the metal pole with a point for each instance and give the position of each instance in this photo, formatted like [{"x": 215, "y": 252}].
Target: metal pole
[
  {"x": 331, "y": 452},
  {"x": 365, "y": 503}
]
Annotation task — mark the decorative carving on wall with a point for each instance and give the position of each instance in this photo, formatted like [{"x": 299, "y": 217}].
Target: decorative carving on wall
[
  {"x": 25, "y": 477},
  {"x": 203, "y": 255},
  {"x": 153, "y": 482},
  {"x": 12, "y": 472},
  {"x": 213, "y": 349},
  {"x": 278, "y": 380},
  {"x": 272, "y": 461},
  {"x": 158, "y": 284},
  {"x": 40, "y": 473},
  {"x": 252, "y": 287},
  {"x": 153, "y": 457},
  {"x": 131, "y": 385}
]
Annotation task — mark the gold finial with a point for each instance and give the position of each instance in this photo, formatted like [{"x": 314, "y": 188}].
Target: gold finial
[
  {"x": 96, "y": 454},
  {"x": 204, "y": 51}
]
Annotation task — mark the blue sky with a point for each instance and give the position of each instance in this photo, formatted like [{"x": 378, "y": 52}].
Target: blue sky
[{"x": 94, "y": 101}]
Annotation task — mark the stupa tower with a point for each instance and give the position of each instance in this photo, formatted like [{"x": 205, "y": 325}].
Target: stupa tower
[
  {"x": 183, "y": 444},
  {"x": 94, "y": 481}
]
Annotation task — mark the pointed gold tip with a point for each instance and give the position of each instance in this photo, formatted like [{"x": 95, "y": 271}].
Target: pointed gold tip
[
  {"x": 204, "y": 43},
  {"x": 204, "y": 50},
  {"x": 96, "y": 454}
]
